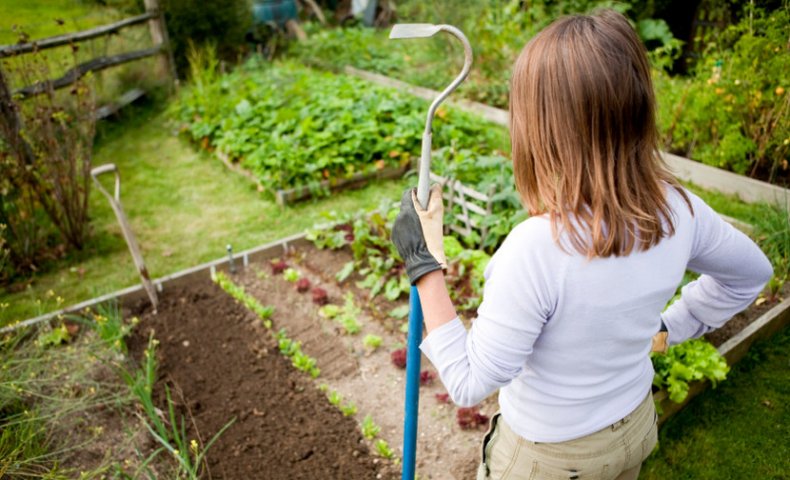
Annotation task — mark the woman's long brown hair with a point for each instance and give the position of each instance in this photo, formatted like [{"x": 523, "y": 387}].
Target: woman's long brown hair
[{"x": 584, "y": 138}]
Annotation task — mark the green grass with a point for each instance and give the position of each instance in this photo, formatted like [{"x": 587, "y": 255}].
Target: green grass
[
  {"x": 184, "y": 208},
  {"x": 730, "y": 205},
  {"x": 736, "y": 431},
  {"x": 38, "y": 18},
  {"x": 49, "y": 396}
]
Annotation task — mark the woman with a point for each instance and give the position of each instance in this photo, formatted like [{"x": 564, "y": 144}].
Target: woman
[{"x": 575, "y": 293}]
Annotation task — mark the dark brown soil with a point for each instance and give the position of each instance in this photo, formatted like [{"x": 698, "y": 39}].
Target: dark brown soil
[
  {"x": 222, "y": 364},
  {"x": 367, "y": 379},
  {"x": 741, "y": 320}
]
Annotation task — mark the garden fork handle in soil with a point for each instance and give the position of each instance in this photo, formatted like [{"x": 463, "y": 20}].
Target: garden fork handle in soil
[{"x": 115, "y": 203}]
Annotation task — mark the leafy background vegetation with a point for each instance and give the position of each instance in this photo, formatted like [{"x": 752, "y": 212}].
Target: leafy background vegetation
[{"x": 730, "y": 110}]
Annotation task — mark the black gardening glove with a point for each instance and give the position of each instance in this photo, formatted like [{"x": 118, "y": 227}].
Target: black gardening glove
[{"x": 417, "y": 234}]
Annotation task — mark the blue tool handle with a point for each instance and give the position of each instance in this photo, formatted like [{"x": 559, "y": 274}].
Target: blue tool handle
[{"x": 412, "y": 385}]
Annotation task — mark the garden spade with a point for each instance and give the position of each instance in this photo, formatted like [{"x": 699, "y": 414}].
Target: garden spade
[
  {"x": 422, "y": 30},
  {"x": 115, "y": 203}
]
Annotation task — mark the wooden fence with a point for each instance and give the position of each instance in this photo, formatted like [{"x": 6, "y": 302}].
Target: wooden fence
[{"x": 153, "y": 16}]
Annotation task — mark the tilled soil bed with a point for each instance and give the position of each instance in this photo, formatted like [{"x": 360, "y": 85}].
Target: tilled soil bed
[
  {"x": 444, "y": 450},
  {"x": 220, "y": 364},
  {"x": 223, "y": 364}
]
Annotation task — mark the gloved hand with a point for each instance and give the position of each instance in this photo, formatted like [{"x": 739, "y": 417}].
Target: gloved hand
[
  {"x": 660, "y": 343},
  {"x": 417, "y": 233}
]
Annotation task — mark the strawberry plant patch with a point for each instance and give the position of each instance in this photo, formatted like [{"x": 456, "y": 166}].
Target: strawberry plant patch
[{"x": 294, "y": 127}]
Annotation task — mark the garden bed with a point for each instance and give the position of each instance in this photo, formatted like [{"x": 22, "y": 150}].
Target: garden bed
[
  {"x": 221, "y": 364},
  {"x": 298, "y": 132},
  {"x": 365, "y": 380},
  {"x": 363, "y": 376}
]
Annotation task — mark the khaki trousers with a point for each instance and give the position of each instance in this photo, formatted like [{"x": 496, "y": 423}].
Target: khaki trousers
[{"x": 613, "y": 453}]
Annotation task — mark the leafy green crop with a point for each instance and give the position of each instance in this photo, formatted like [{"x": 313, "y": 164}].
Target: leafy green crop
[
  {"x": 346, "y": 315},
  {"x": 686, "y": 362},
  {"x": 293, "y": 126},
  {"x": 372, "y": 342},
  {"x": 369, "y": 428},
  {"x": 238, "y": 293},
  {"x": 378, "y": 264},
  {"x": 383, "y": 449}
]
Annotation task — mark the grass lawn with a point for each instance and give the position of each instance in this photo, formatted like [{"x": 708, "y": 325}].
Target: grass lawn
[
  {"x": 739, "y": 430},
  {"x": 184, "y": 207},
  {"x": 39, "y": 18}
]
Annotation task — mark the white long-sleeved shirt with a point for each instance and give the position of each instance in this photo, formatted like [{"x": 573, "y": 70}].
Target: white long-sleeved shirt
[{"x": 567, "y": 339}]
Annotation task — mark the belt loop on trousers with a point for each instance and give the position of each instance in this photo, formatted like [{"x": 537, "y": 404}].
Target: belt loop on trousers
[{"x": 616, "y": 425}]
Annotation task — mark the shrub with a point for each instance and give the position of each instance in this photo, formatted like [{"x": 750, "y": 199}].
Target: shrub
[
  {"x": 732, "y": 113},
  {"x": 221, "y": 22},
  {"x": 46, "y": 145}
]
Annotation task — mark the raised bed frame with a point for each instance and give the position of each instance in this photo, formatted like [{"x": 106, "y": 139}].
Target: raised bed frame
[
  {"x": 470, "y": 200},
  {"x": 292, "y": 195}
]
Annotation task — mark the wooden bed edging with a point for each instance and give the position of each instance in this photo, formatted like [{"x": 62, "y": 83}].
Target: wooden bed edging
[
  {"x": 706, "y": 176},
  {"x": 183, "y": 277},
  {"x": 291, "y": 195},
  {"x": 733, "y": 350}
]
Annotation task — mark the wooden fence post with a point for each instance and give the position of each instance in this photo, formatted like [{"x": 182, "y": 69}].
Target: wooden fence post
[
  {"x": 160, "y": 37},
  {"x": 12, "y": 123}
]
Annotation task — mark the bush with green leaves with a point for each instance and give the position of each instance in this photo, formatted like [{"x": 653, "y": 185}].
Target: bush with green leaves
[
  {"x": 734, "y": 111},
  {"x": 223, "y": 23}
]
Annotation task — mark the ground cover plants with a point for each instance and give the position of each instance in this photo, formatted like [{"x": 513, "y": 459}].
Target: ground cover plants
[{"x": 292, "y": 126}]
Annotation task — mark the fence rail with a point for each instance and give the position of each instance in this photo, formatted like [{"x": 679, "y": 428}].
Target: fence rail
[
  {"x": 93, "y": 65},
  {"x": 153, "y": 16},
  {"x": 68, "y": 38}
]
